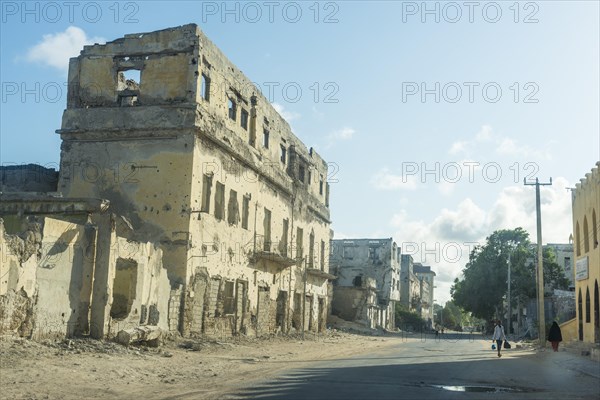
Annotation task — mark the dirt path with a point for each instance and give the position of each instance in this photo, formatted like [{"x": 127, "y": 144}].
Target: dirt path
[{"x": 198, "y": 369}]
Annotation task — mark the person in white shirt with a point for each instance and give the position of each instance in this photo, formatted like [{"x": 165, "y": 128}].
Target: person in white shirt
[{"x": 499, "y": 336}]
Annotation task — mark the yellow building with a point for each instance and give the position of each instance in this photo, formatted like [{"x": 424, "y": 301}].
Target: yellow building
[{"x": 586, "y": 206}]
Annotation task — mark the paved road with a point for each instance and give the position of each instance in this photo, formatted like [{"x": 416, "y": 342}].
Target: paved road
[{"x": 458, "y": 366}]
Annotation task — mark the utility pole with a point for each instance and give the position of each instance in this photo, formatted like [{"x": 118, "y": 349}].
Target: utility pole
[
  {"x": 540, "y": 261},
  {"x": 508, "y": 317}
]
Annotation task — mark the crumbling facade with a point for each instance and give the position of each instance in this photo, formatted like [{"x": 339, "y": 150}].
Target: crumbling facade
[
  {"x": 189, "y": 151},
  {"x": 586, "y": 253},
  {"x": 425, "y": 277},
  {"x": 410, "y": 287},
  {"x": 417, "y": 288},
  {"x": 192, "y": 203},
  {"x": 364, "y": 266}
]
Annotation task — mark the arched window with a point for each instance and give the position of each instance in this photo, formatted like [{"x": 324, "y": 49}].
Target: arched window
[
  {"x": 595, "y": 228},
  {"x": 586, "y": 236},
  {"x": 587, "y": 305},
  {"x": 596, "y": 306},
  {"x": 580, "y": 315},
  {"x": 577, "y": 239}
]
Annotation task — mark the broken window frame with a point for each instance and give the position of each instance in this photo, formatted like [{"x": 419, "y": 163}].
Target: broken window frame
[
  {"x": 233, "y": 210},
  {"x": 283, "y": 156},
  {"x": 322, "y": 255},
  {"x": 265, "y": 138},
  {"x": 311, "y": 250},
  {"x": 245, "y": 211},
  {"x": 267, "y": 229},
  {"x": 206, "y": 192},
  {"x": 321, "y": 184},
  {"x": 232, "y": 108},
  {"x": 220, "y": 201},
  {"x": 244, "y": 119},
  {"x": 205, "y": 87}
]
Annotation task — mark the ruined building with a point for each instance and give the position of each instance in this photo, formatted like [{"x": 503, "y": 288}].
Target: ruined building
[
  {"x": 216, "y": 216},
  {"x": 368, "y": 280},
  {"x": 425, "y": 278},
  {"x": 416, "y": 288}
]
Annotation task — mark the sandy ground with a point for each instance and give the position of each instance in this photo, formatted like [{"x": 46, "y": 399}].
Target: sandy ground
[{"x": 198, "y": 368}]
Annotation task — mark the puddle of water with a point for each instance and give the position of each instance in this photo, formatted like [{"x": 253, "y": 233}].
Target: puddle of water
[{"x": 478, "y": 389}]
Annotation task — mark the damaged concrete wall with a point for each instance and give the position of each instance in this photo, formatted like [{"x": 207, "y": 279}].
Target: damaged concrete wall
[
  {"x": 199, "y": 162},
  {"x": 358, "y": 259},
  {"x": 46, "y": 278},
  {"x": 139, "y": 287},
  {"x": 69, "y": 277}
]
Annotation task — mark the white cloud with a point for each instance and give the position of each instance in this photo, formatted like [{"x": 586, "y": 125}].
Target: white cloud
[
  {"x": 485, "y": 134},
  {"x": 386, "y": 180},
  {"x": 55, "y": 49},
  {"x": 444, "y": 242},
  {"x": 285, "y": 114},
  {"x": 343, "y": 134},
  {"x": 487, "y": 140},
  {"x": 458, "y": 147}
]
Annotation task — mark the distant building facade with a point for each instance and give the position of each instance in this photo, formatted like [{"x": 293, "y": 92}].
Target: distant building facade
[
  {"x": 564, "y": 258},
  {"x": 426, "y": 285},
  {"x": 364, "y": 267}
]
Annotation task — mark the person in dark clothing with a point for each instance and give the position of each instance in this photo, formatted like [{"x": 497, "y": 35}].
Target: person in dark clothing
[{"x": 554, "y": 335}]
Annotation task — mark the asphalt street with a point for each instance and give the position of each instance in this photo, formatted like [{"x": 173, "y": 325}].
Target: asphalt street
[{"x": 457, "y": 366}]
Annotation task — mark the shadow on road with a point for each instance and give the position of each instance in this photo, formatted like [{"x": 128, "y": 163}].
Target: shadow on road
[{"x": 523, "y": 376}]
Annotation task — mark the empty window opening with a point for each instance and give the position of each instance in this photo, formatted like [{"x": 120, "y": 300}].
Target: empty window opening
[
  {"x": 206, "y": 189},
  {"x": 220, "y": 201},
  {"x": 322, "y": 255},
  {"x": 244, "y": 119},
  {"x": 233, "y": 208},
  {"x": 311, "y": 250},
  {"x": 348, "y": 252},
  {"x": 228, "y": 298},
  {"x": 321, "y": 184},
  {"x": 309, "y": 177},
  {"x": 301, "y": 173},
  {"x": 357, "y": 281},
  {"x": 123, "y": 288},
  {"x": 245, "y": 211},
  {"x": 267, "y": 230},
  {"x": 283, "y": 153},
  {"x": 232, "y": 107},
  {"x": 577, "y": 240},
  {"x": 133, "y": 75},
  {"x": 586, "y": 236},
  {"x": 284, "y": 238},
  {"x": 252, "y": 136},
  {"x": 373, "y": 253},
  {"x": 299, "y": 242},
  {"x": 205, "y": 87},
  {"x": 594, "y": 228},
  {"x": 128, "y": 87},
  {"x": 266, "y": 138},
  {"x": 587, "y": 306}
]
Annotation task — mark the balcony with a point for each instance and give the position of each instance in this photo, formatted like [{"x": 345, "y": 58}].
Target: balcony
[
  {"x": 272, "y": 251},
  {"x": 319, "y": 273}
]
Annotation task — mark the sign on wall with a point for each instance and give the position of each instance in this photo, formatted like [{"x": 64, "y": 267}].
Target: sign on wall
[{"x": 581, "y": 268}]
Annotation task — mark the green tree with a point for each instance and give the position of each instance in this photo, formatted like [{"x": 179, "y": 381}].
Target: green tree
[
  {"x": 483, "y": 287},
  {"x": 484, "y": 282}
]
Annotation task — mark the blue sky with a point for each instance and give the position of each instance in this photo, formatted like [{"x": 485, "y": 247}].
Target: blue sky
[{"x": 429, "y": 126}]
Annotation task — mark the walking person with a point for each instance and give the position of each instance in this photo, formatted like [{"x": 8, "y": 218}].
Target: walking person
[
  {"x": 554, "y": 335},
  {"x": 499, "y": 336}
]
